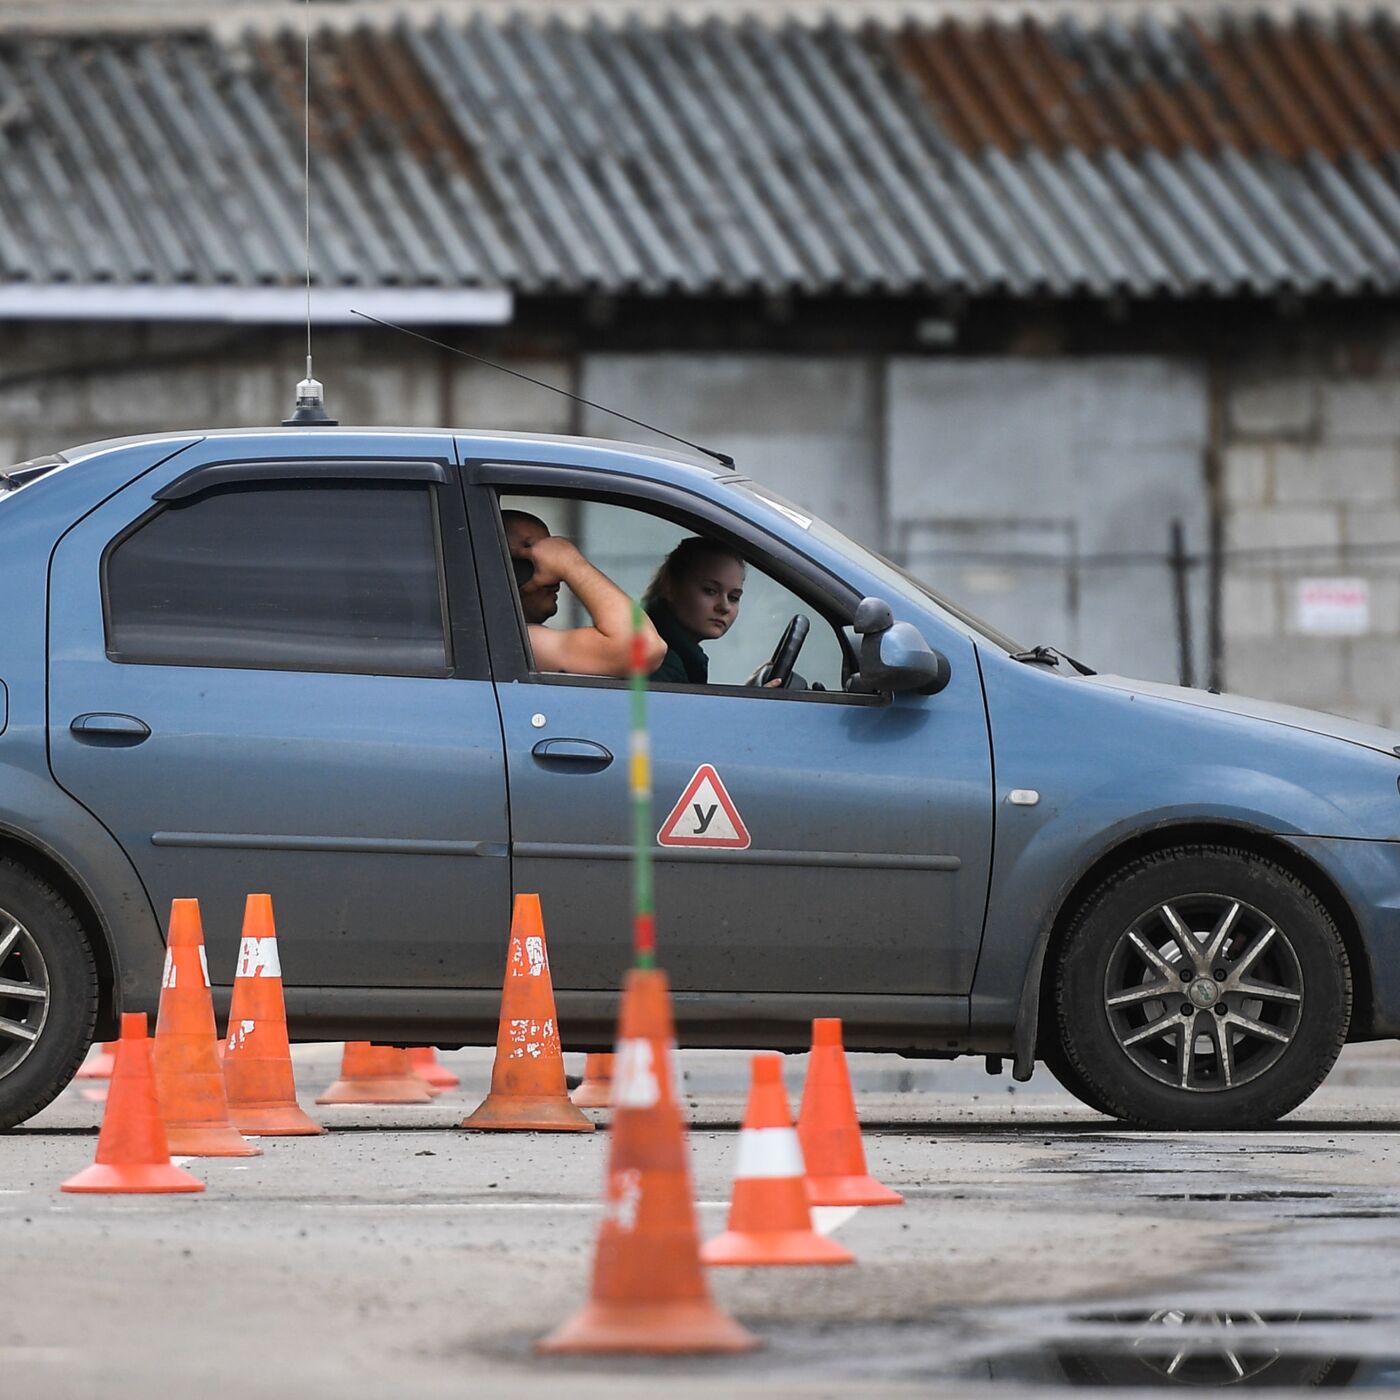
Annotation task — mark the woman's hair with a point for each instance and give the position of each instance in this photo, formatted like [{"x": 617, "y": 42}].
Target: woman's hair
[{"x": 682, "y": 561}]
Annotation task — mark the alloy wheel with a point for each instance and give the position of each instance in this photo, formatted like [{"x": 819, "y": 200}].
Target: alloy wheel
[
  {"x": 24, "y": 992},
  {"x": 1203, "y": 992}
]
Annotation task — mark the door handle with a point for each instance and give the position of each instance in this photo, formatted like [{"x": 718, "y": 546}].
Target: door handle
[
  {"x": 114, "y": 731},
  {"x": 582, "y": 754}
]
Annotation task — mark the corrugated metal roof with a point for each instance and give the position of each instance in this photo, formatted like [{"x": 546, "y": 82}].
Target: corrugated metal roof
[{"x": 1231, "y": 156}]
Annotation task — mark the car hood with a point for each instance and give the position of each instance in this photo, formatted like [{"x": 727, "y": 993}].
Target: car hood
[{"x": 1369, "y": 736}]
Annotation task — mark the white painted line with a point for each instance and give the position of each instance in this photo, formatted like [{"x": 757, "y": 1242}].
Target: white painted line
[
  {"x": 826, "y": 1220},
  {"x": 181, "y": 1161},
  {"x": 13, "y": 1191},
  {"x": 498, "y": 1205}
]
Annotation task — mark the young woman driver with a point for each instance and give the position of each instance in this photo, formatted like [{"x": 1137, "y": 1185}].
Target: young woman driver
[{"x": 694, "y": 598}]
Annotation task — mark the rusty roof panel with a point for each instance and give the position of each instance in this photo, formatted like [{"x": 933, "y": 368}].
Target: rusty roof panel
[{"x": 1171, "y": 156}]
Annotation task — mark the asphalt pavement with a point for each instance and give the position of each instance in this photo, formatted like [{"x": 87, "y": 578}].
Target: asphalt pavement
[{"x": 1041, "y": 1245}]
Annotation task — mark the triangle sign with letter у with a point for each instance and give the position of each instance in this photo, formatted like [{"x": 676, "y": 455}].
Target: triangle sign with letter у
[{"x": 705, "y": 816}]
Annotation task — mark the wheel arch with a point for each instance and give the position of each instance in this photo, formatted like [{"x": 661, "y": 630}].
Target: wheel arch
[
  {"x": 1032, "y": 1029},
  {"x": 44, "y": 865}
]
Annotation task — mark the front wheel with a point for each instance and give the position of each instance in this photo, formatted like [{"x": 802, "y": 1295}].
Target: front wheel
[
  {"x": 48, "y": 993},
  {"x": 1202, "y": 987}
]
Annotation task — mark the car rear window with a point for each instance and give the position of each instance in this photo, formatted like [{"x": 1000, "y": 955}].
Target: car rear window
[{"x": 286, "y": 576}]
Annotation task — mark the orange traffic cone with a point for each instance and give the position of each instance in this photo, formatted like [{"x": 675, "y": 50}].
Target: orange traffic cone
[
  {"x": 527, "y": 1078},
  {"x": 829, "y": 1130},
  {"x": 597, "y": 1082},
  {"x": 132, "y": 1154},
  {"x": 436, "y": 1076},
  {"x": 262, "y": 1096},
  {"x": 100, "y": 1064},
  {"x": 648, "y": 1293},
  {"x": 189, "y": 1078},
  {"x": 376, "y": 1074},
  {"x": 769, "y": 1219}
]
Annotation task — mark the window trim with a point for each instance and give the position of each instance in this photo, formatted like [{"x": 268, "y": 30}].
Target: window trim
[
  {"x": 485, "y": 480},
  {"x": 439, "y": 502}
]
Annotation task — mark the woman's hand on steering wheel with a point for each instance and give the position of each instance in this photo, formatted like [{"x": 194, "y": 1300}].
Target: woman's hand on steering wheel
[{"x": 778, "y": 672}]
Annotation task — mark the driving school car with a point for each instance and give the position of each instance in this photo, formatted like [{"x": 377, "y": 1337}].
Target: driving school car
[{"x": 294, "y": 661}]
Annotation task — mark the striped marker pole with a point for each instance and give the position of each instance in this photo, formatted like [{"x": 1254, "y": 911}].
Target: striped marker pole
[{"x": 643, "y": 899}]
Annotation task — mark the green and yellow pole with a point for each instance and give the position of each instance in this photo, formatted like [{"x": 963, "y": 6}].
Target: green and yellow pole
[{"x": 643, "y": 899}]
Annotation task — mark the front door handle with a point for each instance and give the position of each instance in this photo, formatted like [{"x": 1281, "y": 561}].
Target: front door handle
[
  {"x": 582, "y": 755},
  {"x": 114, "y": 731}
]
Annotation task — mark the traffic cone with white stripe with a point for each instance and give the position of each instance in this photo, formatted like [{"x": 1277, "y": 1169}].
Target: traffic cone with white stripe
[
  {"x": 596, "y": 1088},
  {"x": 189, "y": 1078},
  {"x": 434, "y": 1074},
  {"x": 262, "y": 1095},
  {"x": 769, "y": 1219},
  {"x": 527, "y": 1076},
  {"x": 133, "y": 1156},
  {"x": 376, "y": 1074},
  {"x": 829, "y": 1130},
  {"x": 649, "y": 1292}
]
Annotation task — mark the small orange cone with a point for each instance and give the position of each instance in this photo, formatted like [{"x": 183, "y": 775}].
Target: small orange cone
[
  {"x": 649, "y": 1292},
  {"x": 99, "y": 1065},
  {"x": 436, "y": 1076},
  {"x": 596, "y": 1087},
  {"x": 132, "y": 1154},
  {"x": 262, "y": 1096},
  {"x": 829, "y": 1130},
  {"x": 189, "y": 1078},
  {"x": 769, "y": 1219},
  {"x": 376, "y": 1074},
  {"x": 527, "y": 1078}
]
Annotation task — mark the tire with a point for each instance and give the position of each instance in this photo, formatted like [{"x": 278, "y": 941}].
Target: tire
[
  {"x": 43, "y": 950},
  {"x": 1201, "y": 988},
  {"x": 1057, "y": 1062}
]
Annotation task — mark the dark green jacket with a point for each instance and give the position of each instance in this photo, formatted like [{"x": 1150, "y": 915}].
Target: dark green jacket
[{"x": 685, "y": 662}]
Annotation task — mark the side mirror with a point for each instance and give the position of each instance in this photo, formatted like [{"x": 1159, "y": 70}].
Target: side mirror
[{"x": 894, "y": 655}]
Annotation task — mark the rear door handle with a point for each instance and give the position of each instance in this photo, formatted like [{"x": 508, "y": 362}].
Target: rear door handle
[
  {"x": 581, "y": 754},
  {"x": 115, "y": 731}
]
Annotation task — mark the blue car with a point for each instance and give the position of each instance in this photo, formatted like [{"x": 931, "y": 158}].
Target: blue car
[{"x": 296, "y": 661}]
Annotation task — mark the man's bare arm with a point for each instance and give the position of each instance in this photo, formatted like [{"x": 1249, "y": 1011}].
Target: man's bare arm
[{"x": 603, "y": 649}]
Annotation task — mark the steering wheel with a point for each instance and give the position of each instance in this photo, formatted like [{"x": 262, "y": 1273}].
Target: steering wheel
[{"x": 780, "y": 664}]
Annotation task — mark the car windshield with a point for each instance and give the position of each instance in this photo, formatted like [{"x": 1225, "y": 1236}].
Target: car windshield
[{"x": 898, "y": 580}]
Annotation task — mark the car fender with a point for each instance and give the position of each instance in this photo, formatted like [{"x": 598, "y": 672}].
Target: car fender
[
  {"x": 1044, "y": 871},
  {"x": 1093, "y": 767},
  {"x": 35, "y": 813}
]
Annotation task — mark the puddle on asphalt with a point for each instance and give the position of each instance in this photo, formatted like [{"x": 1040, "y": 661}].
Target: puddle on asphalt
[
  {"x": 1183, "y": 1348},
  {"x": 1206, "y": 1368},
  {"x": 1241, "y": 1196},
  {"x": 1179, "y": 1317},
  {"x": 1165, "y": 1348}
]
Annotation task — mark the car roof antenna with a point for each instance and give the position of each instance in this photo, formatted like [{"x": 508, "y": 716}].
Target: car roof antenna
[
  {"x": 723, "y": 458},
  {"x": 310, "y": 410}
]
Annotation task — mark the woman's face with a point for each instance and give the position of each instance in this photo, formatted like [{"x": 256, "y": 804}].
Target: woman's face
[{"x": 706, "y": 599}]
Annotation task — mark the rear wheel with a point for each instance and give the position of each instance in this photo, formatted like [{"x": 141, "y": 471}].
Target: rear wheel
[
  {"x": 1203, "y": 987},
  {"x": 48, "y": 993}
]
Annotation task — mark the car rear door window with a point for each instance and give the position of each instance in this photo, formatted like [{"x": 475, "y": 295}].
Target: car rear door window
[{"x": 339, "y": 576}]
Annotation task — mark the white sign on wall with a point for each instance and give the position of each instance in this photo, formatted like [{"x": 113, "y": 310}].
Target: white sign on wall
[{"x": 1336, "y": 607}]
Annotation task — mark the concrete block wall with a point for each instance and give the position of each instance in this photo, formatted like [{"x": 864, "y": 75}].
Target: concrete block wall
[
  {"x": 1309, "y": 457},
  {"x": 1310, "y": 489},
  {"x": 62, "y": 384}
]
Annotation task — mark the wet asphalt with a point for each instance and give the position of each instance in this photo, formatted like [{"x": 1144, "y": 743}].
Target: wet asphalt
[{"x": 1042, "y": 1247}]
